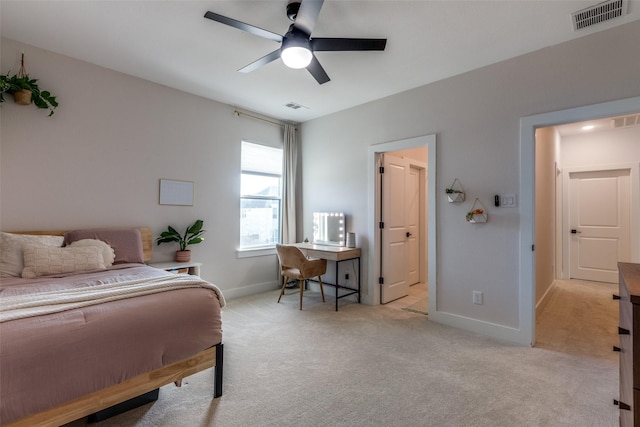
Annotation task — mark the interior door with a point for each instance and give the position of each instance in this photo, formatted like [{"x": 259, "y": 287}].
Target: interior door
[
  {"x": 413, "y": 226},
  {"x": 394, "y": 232},
  {"x": 599, "y": 218}
]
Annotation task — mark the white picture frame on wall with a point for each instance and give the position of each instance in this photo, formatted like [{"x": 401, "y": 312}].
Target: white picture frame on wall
[{"x": 176, "y": 193}]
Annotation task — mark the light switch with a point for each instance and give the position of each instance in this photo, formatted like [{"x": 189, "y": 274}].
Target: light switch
[{"x": 508, "y": 201}]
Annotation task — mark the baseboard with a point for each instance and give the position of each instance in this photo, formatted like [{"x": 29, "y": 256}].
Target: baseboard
[
  {"x": 493, "y": 330},
  {"x": 244, "y": 291},
  {"x": 544, "y": 300}
]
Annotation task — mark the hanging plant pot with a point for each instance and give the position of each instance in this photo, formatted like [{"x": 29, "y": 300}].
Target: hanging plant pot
[
  {"x": 183, "y": 256},
  {"x": 455, "y": 197},
  {"x": 477, "y": 214},
  {"x": 455, "y": 192},
  {"x": 22, "y": 97},
  {"x": 25, "y": 90}
]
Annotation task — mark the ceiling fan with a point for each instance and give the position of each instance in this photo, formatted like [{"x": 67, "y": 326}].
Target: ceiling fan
[{"x": 297, "y": 46}]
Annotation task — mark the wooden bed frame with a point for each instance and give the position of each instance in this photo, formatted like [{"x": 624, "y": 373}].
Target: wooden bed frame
[{"x": 133, "y": 387}]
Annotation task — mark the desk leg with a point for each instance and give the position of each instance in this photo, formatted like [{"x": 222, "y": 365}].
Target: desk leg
[
  {"x": 358, "y": 280},
  {"x": 336, "y": 282}
]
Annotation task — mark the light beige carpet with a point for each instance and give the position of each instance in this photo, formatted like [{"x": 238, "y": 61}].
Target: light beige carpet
[{"x": 378, "y": 366}]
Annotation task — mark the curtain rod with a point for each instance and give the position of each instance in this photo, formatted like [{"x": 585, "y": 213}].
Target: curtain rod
[{"x": 271, "y": 122}]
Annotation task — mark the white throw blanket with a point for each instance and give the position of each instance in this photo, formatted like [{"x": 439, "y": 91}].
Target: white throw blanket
[{"x": 21, "y": 306}]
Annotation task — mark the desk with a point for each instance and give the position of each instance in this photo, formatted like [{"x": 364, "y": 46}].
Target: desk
[{"x": 337, "y": 254}]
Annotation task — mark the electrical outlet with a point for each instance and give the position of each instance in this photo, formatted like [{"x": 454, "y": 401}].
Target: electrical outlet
[{"x": 477, "y": 297}]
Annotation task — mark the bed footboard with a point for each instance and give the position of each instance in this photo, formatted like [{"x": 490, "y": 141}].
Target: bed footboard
[{"x": 136, "y": 386}]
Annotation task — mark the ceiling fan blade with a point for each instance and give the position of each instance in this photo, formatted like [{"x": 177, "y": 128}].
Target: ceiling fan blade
[
  {"x": 317, "y": 71},
  {"x": 337, "y": 44},
  {"x": 308, "y": 15},
  {"x": 261, "y": 62},
  {"x": 244, "y": 27}
]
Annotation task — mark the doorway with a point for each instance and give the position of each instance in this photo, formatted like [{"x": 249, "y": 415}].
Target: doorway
[
  {"x": 529, "y": 247},
  {"x": 403, "y": 232},
  {"x": 403, "y": 195},
  {"x": 592, "y": 167},
  {"x": 427, "y": 257}
]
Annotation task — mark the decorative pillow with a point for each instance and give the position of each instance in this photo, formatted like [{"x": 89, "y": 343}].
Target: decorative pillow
[
  {"x": 108, "y": 254},
  {"x": 11, "y": 257},
  {"x": 126, "y": 242},
  {"x": 44, "y": 260}
]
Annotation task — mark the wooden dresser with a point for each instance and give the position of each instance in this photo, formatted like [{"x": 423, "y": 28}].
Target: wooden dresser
[{"x": 629, "y": 344}]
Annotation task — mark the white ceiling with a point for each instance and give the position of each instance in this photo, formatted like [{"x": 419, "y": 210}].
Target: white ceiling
[{"x": 171, "y": 43}]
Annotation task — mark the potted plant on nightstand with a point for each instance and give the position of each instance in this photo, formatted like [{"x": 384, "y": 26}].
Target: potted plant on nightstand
[{"x": 192, "y": 236}]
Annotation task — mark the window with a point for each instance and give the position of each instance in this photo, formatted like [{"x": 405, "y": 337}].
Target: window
[{"x": 260, "y": 195}]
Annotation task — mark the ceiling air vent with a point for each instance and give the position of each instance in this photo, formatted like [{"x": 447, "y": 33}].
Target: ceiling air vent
[
  {"x": 633, "y": 120},
  {"x": 598, "y": 13},
  {"x": 294, "y": 106}
]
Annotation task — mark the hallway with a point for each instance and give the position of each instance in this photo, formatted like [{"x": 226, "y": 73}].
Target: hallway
[{"x": 579, "y": 318}]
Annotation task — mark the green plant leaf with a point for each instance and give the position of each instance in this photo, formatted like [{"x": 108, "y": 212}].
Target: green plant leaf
[
  {"x": 166, "y": 240},
  {"x": 196, "y": 227},
  {"x": 14, "y": 83},
  {"x": 195, "y": 241},
  {"x": 192, "y": 235}
]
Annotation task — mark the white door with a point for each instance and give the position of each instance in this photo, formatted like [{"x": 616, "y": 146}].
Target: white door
[
  {"x": 599, "y": 221},
  {"x": 394, "y": 231},
  {"x": 413, "y": 226}
]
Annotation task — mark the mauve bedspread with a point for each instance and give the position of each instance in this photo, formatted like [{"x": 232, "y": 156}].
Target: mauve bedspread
[{"x": 50, "y": 359}]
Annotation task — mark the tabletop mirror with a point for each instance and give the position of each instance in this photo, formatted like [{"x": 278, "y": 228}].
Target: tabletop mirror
[{"x": 329, "y": 228}]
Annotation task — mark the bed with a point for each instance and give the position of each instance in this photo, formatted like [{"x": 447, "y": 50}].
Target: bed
[{"x": 89, "y": 325}]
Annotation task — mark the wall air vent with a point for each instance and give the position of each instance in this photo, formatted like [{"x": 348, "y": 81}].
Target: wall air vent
[{"x": 598, "y": 13}]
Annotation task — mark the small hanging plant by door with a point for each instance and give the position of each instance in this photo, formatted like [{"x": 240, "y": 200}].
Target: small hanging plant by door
[
  {"x": 25, "y": 90},
  {"x": 478, "y": 213},
  {"x": 455, "y": 192}
]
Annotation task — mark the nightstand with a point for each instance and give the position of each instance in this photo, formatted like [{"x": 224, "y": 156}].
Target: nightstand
[{"x": 190, "y": 267}]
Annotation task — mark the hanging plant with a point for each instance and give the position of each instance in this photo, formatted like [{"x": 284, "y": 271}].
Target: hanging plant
[{"x": 25, "y": 90}]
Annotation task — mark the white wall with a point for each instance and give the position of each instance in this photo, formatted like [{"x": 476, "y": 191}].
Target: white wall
[
  {"x": 609, "y": 147},
  {"x": 476, "y": 117},
  {"x": 98, "y": 160},
  {"x": 547, "y": 142}
]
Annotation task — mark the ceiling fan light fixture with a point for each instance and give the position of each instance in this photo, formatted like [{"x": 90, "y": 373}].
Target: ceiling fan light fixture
[
  {"x": 296, "y": 57},
  {"x": 296, "y": 52}
]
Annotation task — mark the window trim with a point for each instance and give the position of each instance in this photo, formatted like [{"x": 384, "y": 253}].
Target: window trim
[{"x": 255, "y": 252}]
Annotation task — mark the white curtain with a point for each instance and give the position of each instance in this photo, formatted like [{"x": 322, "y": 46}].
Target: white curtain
[{"x": 289, "y": 185}]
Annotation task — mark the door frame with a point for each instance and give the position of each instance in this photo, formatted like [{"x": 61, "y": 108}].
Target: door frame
[
  {"x": 372, "y": 296},
  {"x": 423, "y": 268},
  {"x": 527, "y": 228},
  {"x": 565, "y": 271}
]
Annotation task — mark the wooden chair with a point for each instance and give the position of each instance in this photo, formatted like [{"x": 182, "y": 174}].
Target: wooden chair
[{"x": 295, "y": 265}]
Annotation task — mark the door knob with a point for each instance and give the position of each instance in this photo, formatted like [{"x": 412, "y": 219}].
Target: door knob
[
  {"x": 575, "y": 231},
  {"x": 408, "y": 234}
]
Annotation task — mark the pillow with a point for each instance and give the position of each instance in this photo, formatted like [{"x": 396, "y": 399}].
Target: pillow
[
  {"x": 44, "y": 260},
  {"x": 11, "y": 257},
  {"x": 126, "y": 242},
  {"x": 108, "y": 254}
]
